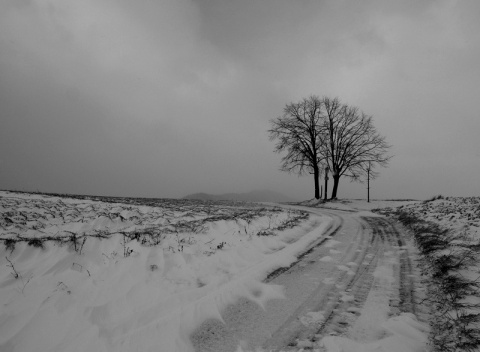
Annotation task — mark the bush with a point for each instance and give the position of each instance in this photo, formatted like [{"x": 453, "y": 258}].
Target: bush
[
  {"x": 36, "y": 242},
  {"x": 9, "y": 244}
]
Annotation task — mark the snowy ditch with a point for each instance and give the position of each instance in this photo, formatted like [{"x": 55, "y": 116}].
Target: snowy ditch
[
  {"x": 89, "y": 275},
  {"x": 447, "y": 233}
]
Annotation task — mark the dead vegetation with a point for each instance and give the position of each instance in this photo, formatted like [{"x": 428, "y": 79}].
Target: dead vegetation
[
  {"x": 38, "y": 220},
  {"x": 449, "y": 265}
]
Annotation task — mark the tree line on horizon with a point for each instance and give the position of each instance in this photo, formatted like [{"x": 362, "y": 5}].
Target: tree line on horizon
[{"x": 324, "y": 135}]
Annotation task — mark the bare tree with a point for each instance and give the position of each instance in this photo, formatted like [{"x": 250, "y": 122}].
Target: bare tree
[
  {"x": 298, "y": 132},
  {"x": 352, "y": 142}
]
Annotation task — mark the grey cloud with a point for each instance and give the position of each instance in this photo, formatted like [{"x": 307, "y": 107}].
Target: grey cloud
[{"x": 166, "y": 98}]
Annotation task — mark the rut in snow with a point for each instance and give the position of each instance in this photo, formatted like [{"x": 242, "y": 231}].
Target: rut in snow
[{"x": 357, "y": 276}]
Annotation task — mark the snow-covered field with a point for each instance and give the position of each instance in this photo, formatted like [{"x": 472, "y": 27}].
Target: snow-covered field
[
  {"x": 87, "y": 275},
  {"x": 98, "y": 274},
  {"x": 454, "y": 213}
]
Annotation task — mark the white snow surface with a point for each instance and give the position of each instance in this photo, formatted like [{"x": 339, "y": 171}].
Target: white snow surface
[
  {"x": 454, "y": 213},
  {"x": 404, "y": 334},
  {"x": 117, "y": 294}
]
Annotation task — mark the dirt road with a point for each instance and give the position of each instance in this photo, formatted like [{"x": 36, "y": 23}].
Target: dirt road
[{"x": 356, "y": 276}]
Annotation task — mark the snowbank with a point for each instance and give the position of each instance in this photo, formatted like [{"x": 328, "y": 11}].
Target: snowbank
[{"x": 116, "y": 277}]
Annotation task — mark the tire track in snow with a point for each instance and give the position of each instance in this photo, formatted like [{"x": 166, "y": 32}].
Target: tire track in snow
[
  {"x": 406, "y": 287},
  {"x": 363, "y": 262},
  {"x": 349, "y": 293},
  {"x": 329, "y": 291},
  {"x": 241, "y": 320},
  {"x": 386, "y": 289}
]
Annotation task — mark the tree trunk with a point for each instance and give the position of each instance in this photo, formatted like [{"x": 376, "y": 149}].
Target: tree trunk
[
  {"x": 316, "y": 175},
  {"x": 336, "y": 179}
]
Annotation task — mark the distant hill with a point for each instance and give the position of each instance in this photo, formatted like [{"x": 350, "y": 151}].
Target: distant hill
[{"x": 253, "y": 196}]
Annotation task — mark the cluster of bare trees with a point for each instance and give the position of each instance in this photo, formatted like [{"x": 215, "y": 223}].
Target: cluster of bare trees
[{"x": 322, "y": 135}]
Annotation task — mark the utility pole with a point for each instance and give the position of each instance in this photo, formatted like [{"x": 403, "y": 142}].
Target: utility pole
[
  {"x": 326, "y": 182},
  {"x": 368, "y": 183}
]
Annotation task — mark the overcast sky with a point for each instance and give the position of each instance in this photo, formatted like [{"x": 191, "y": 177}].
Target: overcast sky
[{"x": 170, "y": 97}]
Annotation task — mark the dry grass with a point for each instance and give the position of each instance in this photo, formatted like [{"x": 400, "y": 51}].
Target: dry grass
[
  {"x": 448, "y": 258},
  {"x": 29, "y": 220}
]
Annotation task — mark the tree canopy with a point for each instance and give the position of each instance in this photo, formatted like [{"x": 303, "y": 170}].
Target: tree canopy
[
  {"x": 324, "y": 133},
  {"x": 298, "y": 132}
]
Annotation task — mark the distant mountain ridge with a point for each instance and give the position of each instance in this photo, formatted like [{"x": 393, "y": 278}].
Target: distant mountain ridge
[{"x": 253, "y": 196}]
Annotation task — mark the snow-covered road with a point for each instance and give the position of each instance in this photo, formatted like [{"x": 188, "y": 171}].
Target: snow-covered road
[{"x": 353, "y": 290}]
